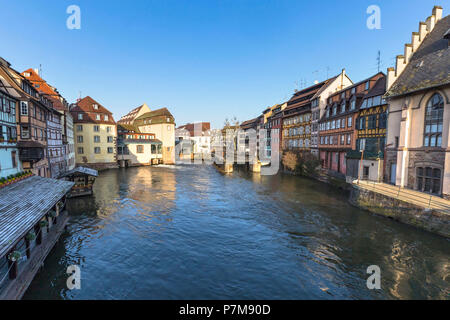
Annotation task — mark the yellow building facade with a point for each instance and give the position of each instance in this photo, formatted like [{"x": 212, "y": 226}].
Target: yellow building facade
[{"x": 95, "y": 134}]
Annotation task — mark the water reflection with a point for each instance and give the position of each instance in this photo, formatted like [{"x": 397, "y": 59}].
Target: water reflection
[{"x": 191, "y": 232}]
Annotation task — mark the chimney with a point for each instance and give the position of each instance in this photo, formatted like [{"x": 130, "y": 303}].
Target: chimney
[
  {"x": 342, "y": 78},
  {"x": 437, "y": 13}
]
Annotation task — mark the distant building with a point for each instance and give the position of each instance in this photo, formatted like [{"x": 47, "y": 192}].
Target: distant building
[
  {"x": 198, "y": 135},
  {"x": 95, "y": 132},
  {"x": 135, "y": 148},
  {"x": 319, "y": 103},
  {"x": 161, "y": 123},
  {"x": 370, "y": 127},
  {"x": 337, "y": 126},
  {"x": 418, "y": 138}
]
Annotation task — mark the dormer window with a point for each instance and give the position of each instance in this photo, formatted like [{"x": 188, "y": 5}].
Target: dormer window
[
  {"x": 80, "y": 116},
  {"x": 367, "y": 85}
]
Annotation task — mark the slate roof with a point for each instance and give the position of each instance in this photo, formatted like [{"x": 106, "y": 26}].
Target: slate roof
[
  {"x": 429, "y": 66},
  {"x": 8, "y": 89},
  {"x": 86, "y": 106},
  {"x": 378, "y": 89},
  {"x": 24, "y": 203}
]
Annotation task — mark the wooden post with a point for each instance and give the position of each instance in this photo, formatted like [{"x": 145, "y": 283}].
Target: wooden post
[
  {"x": 13, "y": 271},
  {"x": 37, "y": 230},
  {"x": 28, "y": 250}
]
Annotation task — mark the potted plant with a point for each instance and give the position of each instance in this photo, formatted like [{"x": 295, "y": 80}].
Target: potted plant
[
  {"x": 30, "y": 236},
  {"x": 43, "y": 223},
  {"x": 15, "y": 256}
]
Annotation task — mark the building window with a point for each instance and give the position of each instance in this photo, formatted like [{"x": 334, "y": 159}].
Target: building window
[
  {"x": 108, "y": 129},
  {"x": 433, "y": 121},
  {"x": 349, "y": 138},
  {"x": 13, "y": 159},
  {"x": 349, "y": 122},
  {"x": 97, "y": 117},
  {"x": 80, "y": 150},
  {"x": 97, "y": 139},
  {"x": 383, "y": 121},
  {"x": 79, "y": 127},
  {"x": 106, "y": 117},
  {"x": 96, "y": 128},
  {"x": 97, "y": 150},
  {"x": 110, "y": 150},
  {"x": 80, "y": 116},
  {"x": 342, "y": 139},
  {"x": 25, "y": 132},
  {"x": 372, "y": 121},
  {"x": 362, "y": 123},
  {"x": 80, "y": 139},
  {"x": 24, "y": 108},
  {"x": 95, "y": 106},
  {"x": 110, "y": 139},
  {"x": 367, "y": 85},
  {"x": 429, "y": 180}
]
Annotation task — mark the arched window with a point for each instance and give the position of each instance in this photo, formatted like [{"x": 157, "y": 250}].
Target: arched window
[{"x": 433, "y": 121}]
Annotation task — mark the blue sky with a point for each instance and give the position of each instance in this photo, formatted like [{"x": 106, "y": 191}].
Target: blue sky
[{"x": 205, "y": 60}]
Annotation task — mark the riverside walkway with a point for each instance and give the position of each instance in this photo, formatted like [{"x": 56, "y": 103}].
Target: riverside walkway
[{"x": 417, "y": 198}]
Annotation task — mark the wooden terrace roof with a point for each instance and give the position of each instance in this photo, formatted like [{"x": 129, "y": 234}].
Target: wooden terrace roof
[{"x": 23, "y": 204}]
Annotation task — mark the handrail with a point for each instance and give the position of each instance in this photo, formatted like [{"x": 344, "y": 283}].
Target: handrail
[{"x": 428, "y": 201}]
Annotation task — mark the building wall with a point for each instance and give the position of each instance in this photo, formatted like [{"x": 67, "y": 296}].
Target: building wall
[
  {"x": 8, "y": 149},
  {"x": 89, "y": 156},
  {"x": 339, "y": 83},
  {"x": 143, "y": 158},
  {"x": 55, "y": 147},
  {"x": 70, "y": 146},
  {"x": 406, "y": 121},
  {"x": 165, "y": 132}
]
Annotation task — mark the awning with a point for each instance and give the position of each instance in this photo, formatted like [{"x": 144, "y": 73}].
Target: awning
[
  {"x": 81, "y": 171},
  {"x": 24, "y": 203}
]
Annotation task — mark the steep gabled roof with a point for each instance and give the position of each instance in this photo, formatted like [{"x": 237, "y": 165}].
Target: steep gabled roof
[
  {"x": 86, "y": 106},
  {"x": 44, "y": 88},
  {"x": 429, "y": 66}
]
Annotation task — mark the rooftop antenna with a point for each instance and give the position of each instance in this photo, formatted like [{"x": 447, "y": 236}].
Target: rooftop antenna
[
  {"x": 315, "y": 73},
  {"x": 379, "y": 60}
]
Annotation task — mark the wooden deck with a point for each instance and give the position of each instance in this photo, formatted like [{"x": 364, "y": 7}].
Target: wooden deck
[{"x": 28, "y": 269}]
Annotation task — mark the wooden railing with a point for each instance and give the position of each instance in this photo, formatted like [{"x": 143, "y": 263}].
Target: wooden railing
[{"x": 425, "y": 200}]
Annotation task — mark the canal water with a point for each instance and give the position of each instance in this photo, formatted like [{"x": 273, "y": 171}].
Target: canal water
[{"x": 190, "y": 232}]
